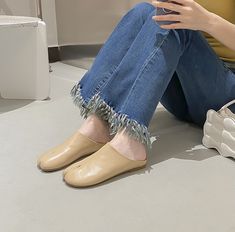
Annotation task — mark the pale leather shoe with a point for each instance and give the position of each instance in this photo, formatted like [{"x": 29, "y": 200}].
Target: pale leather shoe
[
  {"x": 104, "y": 164},
  {"x": 70, "y": 150},
  {"x": 75, "y": 165}
]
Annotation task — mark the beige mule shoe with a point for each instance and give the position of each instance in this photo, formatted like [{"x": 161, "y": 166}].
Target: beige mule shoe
[
  {"x": 73, "y": 148},
  {"x": 75, "y": 165},
  {"x": 104, "y": 164}
]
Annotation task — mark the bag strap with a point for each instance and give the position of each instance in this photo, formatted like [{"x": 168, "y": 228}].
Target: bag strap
[{"x": 227, "y": 105}]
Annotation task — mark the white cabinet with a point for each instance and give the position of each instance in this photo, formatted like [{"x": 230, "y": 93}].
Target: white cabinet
[{"x": 24, "y": 58}]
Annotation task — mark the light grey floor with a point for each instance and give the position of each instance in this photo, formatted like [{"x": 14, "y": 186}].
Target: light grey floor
[
  {"x": 81, "y": 56},
  {"x": 185, "y": 187}
]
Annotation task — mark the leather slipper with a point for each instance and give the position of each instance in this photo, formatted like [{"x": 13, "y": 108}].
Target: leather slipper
[
  {"x": 104, "y": 164},
  {"x": 70, "y": 150}
]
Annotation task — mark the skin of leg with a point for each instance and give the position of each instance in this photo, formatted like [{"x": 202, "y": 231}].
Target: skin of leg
[
  {"x": 96, "y": 129},
  {"x": 130, "y": 148}
]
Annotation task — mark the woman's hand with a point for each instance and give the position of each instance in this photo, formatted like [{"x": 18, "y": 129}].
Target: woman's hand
[{"x": 191, "y": 15}]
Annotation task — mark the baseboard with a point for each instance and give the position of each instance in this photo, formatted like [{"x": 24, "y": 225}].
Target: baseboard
[{"x": 54, "y": 54}]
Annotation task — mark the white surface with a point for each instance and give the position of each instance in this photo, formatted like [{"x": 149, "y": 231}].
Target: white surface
[
  {"x": 185, "y": 187},
  {"x": 24, "y": 58},
  {"x": 8, "y": 20}
]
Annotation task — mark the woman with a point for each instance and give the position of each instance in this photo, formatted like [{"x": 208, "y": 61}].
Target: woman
[{"x": 187, "y": 65}]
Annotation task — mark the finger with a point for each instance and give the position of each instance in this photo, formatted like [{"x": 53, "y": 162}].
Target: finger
[
  {"x": 175, "y": 26},
  {"x": 183, "y": 2},
  {"x": 169, "y": 17},
  {"x": 169, "y": 6}
]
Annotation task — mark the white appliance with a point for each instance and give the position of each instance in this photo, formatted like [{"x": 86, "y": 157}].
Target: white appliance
[{"x": 24, "y": 65}]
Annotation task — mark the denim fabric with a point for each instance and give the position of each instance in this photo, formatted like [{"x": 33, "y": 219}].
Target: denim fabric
[{"x": 141, "y": 65}]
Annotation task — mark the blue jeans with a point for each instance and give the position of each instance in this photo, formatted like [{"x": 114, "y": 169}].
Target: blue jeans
[{"x": 141, "y": 65}]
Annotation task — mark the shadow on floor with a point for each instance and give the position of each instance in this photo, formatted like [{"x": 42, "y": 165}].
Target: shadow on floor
[
  {"x": 7, "y": 105},
  {"x": 176, "y": 139}
]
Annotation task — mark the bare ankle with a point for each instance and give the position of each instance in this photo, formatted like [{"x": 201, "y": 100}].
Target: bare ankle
[
  {"x": 96, "y": 128},
  {"x": 128, "y": 146}
]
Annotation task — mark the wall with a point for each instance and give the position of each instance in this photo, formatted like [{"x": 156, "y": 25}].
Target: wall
[
  {"x": 88, "y": 22},
  {"x": 16, "y": 7}
]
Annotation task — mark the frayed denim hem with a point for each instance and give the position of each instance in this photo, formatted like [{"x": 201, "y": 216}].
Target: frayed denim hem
[{"x": 115, "y": 120}]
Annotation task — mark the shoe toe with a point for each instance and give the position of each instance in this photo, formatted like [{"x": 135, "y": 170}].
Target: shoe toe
[
  {"x": 46, "y": 165},
  {"x": 73, "y": 166},
  {"x": 44, "y": 161},
  {"x": 51, "y": 160},
  {"x": 70, "y": 150},
  {"x": 85, "y": 174},
  {"x": 76, "y": 178}
]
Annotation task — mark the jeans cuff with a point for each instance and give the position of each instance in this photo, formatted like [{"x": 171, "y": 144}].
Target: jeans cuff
[{"x": 96, "y": 105}]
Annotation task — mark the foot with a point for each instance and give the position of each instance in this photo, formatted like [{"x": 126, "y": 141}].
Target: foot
[
  {"x": 96, "y": 129},
  {"x": 128, "y": 147}
]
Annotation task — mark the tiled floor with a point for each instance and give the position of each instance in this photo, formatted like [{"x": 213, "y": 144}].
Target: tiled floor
[{"x": 185, "y": 187}]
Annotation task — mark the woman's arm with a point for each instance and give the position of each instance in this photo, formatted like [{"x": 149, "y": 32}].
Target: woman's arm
[
  {"x": 195, "y": 17},
  {"x": 222, "y": 30}
]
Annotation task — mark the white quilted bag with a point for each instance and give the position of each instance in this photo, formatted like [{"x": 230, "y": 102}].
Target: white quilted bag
[{"x": 219, "y": 130}]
